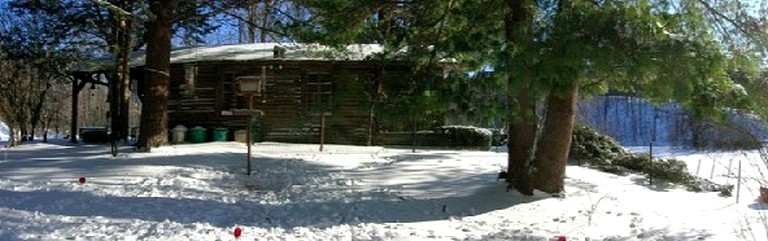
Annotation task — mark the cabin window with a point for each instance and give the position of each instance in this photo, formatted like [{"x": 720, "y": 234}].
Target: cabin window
[
  {"x": 187, "y": 89},
  {"x": 230, "y": 93},
  {"x": 318, "y": 91}
]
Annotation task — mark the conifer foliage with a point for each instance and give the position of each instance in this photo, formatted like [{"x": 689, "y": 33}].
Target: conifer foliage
[{"x": 549, "y": 53}]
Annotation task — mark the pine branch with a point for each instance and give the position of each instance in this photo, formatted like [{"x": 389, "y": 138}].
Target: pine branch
[
  {"x": 255, "y": 25},
  {"x": 733, "y": 22},
  {"x": 113, "y": 8}
]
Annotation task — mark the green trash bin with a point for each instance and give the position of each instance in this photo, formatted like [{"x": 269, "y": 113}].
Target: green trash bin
[
  {"x": 220, "y": 134},
  {"x": 197, "y": 134}
]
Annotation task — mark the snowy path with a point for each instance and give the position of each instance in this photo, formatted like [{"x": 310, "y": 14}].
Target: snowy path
[{"x": 200, "y": 192}]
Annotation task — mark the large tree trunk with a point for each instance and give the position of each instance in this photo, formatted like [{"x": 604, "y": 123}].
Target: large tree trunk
[
  {"x": 154, "y": 112},
  {"x": 120, "y": 98},
  {"x": 555, "y": 141},
  {"x": 521, "y": 116},
  {"x": 521, "y": 135}
]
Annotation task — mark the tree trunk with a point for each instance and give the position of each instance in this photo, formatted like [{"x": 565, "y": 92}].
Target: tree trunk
[
  {"x": 252, "y": 21},
  {"x": 46, "y": 124},
  {"x": 521, "y": 135},
  {"x": 120, "y": 97},
  {"x": 12, "y": 135},
  {"x": 37, "y": 109},
  {"x": 555, "y": 142},
  {"x": 154, "y": 112},
  {"x": 521, "y": 116},
  {"x": 371, "y": 119},
  {"x": 78, "y": 83},
  {"x": 697, "y": 127},
  {"x": 265, "y": 21},
  {"x": 375, "y": 97},
  {"x": 24, "y": 132},
  {"x": 73, "y": 123},
  {"x": 114, "y": 102}
]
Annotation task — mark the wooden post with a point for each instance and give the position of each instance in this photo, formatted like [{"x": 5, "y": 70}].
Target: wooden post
[
  {"x": 738, "y": 183},
  {"x": 323, "y": 116},
  {"x": 73, "y": 122},
  {"x": 730, "y": 162},
  {"x": 322, "y": 131},
  {"x": 698, "y": 166},
  {"x": 250, "y": 130},
  {"x": 650, "y": 159},
  {"x": 249, "y": 139},
  {"x": 413, "y": 136},
  {"x": 264, "y": 83}
]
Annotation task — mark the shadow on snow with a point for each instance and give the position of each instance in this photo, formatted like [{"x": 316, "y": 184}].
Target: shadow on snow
[{"x": 327, "y": 205}]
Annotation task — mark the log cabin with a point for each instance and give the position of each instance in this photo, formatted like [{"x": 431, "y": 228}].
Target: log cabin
[{"x": 302, "y": 87}]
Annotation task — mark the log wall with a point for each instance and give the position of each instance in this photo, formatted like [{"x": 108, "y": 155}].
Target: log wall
[{"x": 287, "y": 102}]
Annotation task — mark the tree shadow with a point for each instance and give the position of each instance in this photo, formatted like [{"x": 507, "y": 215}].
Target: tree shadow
[
  {"x": 378, "y": 208},
  {"x": 758, "y": 206},
  {"x": 59, "y": 149},
  {"x": 582, "y": 185},
  {"x": 411, "y": 157},
  {"x": 657, "y": 184},
  {"x": 653, "y": 234},
  {"x": 71, "y": 162}
]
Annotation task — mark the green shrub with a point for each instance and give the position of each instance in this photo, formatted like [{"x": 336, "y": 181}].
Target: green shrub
[
  {"x": 498, "y": 137},
  {"x": 726, "y": 190},
  {"x": 605, "y": 154},
  {"x": 634, "y": 161},
  {"x": 671, "y": 170},
  {"x": 467, "y": 137},
  {"x": 594, "y": 148},
  {"x": 615, "y": 169}
]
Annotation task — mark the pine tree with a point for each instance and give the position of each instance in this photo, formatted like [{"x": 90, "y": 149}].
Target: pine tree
[
  {"x": 154, "y": 114},
  {"x": 549, "y": 53}
]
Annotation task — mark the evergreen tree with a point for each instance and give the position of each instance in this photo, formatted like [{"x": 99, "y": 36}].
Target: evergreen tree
[{"x": 548, "y": 52}]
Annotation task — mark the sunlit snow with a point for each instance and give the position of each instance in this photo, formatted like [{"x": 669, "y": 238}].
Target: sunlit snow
[{"x": 201, "y": 192}]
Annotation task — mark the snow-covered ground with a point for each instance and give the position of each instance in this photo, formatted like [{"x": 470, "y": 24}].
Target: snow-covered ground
[{"x": 201, "y": 192}]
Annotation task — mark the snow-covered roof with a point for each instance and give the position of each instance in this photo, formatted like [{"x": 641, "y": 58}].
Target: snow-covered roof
[
  {"x": 265, "y": 51},
  {"x": 246, "y": 52}
]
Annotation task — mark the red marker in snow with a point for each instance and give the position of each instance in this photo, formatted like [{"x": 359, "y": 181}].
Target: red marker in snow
[
  {"x": 238, "y": 232},
  {"x": 561, "y": 238},
  {"x": 82, "y": 180}
]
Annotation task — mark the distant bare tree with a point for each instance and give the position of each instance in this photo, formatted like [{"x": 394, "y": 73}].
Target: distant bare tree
[{"x": 18, "y": 92}]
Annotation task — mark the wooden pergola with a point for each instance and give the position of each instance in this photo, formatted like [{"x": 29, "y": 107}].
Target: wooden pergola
[{"x": 118, "y": 110}]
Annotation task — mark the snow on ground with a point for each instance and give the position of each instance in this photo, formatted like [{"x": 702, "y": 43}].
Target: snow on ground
[{"x": 201, "y": 192}]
